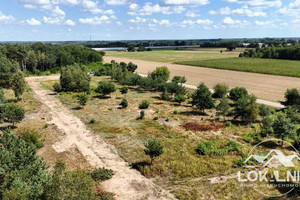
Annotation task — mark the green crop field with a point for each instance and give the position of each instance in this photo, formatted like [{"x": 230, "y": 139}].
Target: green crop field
[
  {"x": 257, "y": 65},
  {"x": 212, "y": 58}
]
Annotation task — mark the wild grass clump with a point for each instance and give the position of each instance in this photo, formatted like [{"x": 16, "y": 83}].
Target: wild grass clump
[{"x": 102, "y": 174}]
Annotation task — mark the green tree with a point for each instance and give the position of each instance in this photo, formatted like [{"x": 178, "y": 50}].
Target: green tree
[
  {"x": 131, "y": 48},
  {"x": 23, "y": 173},
  {"x": 231, "y": 46},
  {"x": 246, "y": 108},
  {"x": 266, "y": 126},
  {"x": 180, "y": 98},
  {"x": 221, "y": 90},
  {"x": 105, "y": 88},
  {"x": 7, "y": 69},
  {"x": 237, "y": 93},
  {"x": 124, "y": 90},
  {"x": 18, "y": 84},
  {"x": 2, "y": 97},
  {"x": 283, "y": 127},
  {"x": 202, "y": 98},
  {"x": 14, "y": 113},
  {"x": 75, "y": 78},
  {"x": 264, "y": 111},
  {"x": 153, "y": 149},
  {"x": 292, "y": 97},
  {"x": 82, "y": 99},
  {"x": 162, "y": 73},
  {"x": 144, "y": 105},
  {"x": 124, "y": 103},
  {"x": 223, "y": 107}
]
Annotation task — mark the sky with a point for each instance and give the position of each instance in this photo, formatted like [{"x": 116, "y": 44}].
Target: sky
[{"x": 72, "y": 20}]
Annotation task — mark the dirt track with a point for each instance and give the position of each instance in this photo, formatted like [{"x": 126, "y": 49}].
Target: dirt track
[
  {"x": 127, "y": 183},
  {"x": 263, "y": 86}
]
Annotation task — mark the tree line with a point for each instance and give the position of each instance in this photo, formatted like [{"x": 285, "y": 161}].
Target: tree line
[
  {"x": 36, "y": 57},
  {"x": 283, "y": 52}
]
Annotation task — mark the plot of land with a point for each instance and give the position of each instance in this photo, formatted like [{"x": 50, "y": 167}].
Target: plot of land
[{"x": 264, "y": 86}]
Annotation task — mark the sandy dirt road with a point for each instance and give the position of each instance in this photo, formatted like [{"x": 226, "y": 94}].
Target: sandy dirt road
[
  {"x": 263, "y": 86},
  {"x": 127, "y": 183}
]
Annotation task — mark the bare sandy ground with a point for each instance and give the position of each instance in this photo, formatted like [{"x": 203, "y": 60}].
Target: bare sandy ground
[
  {"x": 127, "y": 183},
  {"x": 263, "y": 86}
]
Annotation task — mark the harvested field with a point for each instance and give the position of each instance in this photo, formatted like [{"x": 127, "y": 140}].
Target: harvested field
[{"x": 264, "y": 86}]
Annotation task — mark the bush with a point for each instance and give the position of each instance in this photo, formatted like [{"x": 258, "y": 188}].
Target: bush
[
  {"x": 233, "y": 146},
  {"x": 292, "y": 97},
  {"x": 124, "y": 90},
  {"x": 165, "y": 96},
  {"x": 206, "y": 148},
  {"x": 33, "y": 137},
  {"x": 93, "y": 121},
  {"x": 175, "y": 112},
  {"x": 161, "y": 73},
  {"x": 228, "y": 124},
  {"x": 153, "y": 149},
  {"x": 264, "y": 111},
  {"x": 220, "y": 90},
  {"x": 124, "y": 103},
  {"x": 14, "y": 113},
  {"x": 102, "y": 174},
  {"x": 252, "y": 138},
  {"x": 82, "y": 99},
  {"x": 57, "y": 87},
  {"x": 155, "y": 118},
  {"x": 105, "y": 87},
  {"x": 144, "y": 105},
  {"x": 237, "y": 93},
  {"x": 180, "y": 98},
  {"x": 142, "y": 115}
]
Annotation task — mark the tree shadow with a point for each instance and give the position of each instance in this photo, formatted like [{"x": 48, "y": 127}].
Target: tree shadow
[
  {"x": 76, "y": 108},
  {"x": 139, "y": 165},
  {"x": 193, "y": 112},
  {"x": 101, "y": 97}
]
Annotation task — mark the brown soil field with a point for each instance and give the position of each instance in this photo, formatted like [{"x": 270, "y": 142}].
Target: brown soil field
[{"x": 264, "y": 86}]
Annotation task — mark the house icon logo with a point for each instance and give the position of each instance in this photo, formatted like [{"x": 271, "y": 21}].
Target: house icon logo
[{"x": 274, "y": 154}]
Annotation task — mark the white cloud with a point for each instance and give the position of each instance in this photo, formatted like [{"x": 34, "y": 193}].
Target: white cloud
[
  {"x": 229, "y": 20},
  {"x": 244, "y": 11},
  {"x": 95, "y": 20},
  {"x": 49, "y": 20},
  {"x": 293, "y": 9},
  {"x": 30, "y": 6},
  {"x": 150, "y": 8},
  {"x": 163, "y": 22},
  {"x": 119, "y": 23},
  {"x": 33, "y": 22},
  {"x": 58, "y": 12},
  {"x": 91, "y": 6},
  {"x": 194, "y": 22},
  {"x": 185, "y": 2},
  {"x": 40, "y": 2},
  {"x": 133, "y": 6},
  {"x": 137, "y": 20},
  {"x": 191, "y": 14},
  {"x": 117, "y": 2},
  {"x": 258, "y": 3},
  {"x": 5, "y": 18},
  {"x": 264, "y": 23},
  {"x": 67, "y": 2},
  {"x": 70, "y": 23}
]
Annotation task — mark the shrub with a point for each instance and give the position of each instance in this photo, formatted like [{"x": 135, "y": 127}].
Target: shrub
[
  {"x": 292, "y": 97},
  {"x": 237, "y": 93},
  {"x": 33, "y": 137},
  {"x": 57, "y": 87},
  {"x": 180, "y": 98},
  {"x": 155, "y": 118},
  {"x": 206, "y": 147},
  {"x": 14, "y": 113},
  {"x": 144, "y": 105},
  {"x": 264, "y": 110},
  {"x": 165, "y": 95},
  {"x": 153, "y": 149},
  {"x": 142, "y": 115},
  {"x": 252, "y": 137},
  {"x": 82, "y": 99},
  {"x": 93, "y": 121},
  {"x": 124, "y": 90},
  {"x": 105, "y": 87},
  {"x": 102, "y": 174},
  {"x": 202, "y": 98},
  {"x": 175, "y": 112},
  {"x": 124, "y": 103},
  {"x": 161, "y": 73},
  {"x": 233, "y": 146},
  {"x": 167, "y": 120},
  {"x": 228, "y": 124},
  {"x": 220, "y": 90},
  {"x": 18, "y": 84},
  {"x": 239, "y": 162}
]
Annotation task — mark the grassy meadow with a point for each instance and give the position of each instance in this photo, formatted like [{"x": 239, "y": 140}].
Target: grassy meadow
[
  {"x": 180, "y": 168},
  {"x": 212, "y": 58}
]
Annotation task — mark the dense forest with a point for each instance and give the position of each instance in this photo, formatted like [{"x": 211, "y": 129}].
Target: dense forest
[
  {"x": 37, "y": 57},
  {"x": 283, "y": 52}
]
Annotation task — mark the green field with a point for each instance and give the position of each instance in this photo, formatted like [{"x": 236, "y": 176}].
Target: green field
[
  {"x": 257, "y": 65},
  {"x": 212, "y": 58}
]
